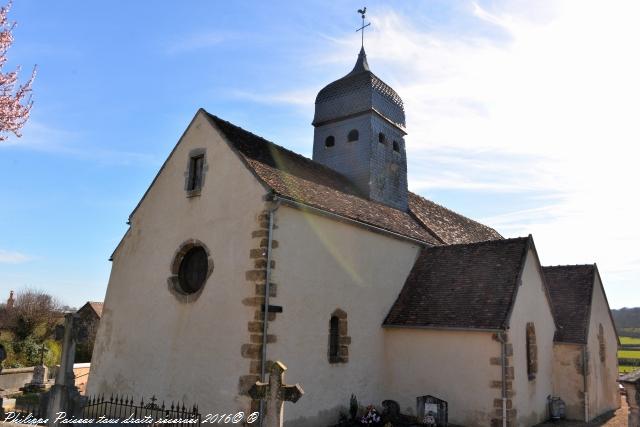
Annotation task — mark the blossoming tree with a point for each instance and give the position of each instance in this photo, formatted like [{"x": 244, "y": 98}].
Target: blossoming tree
[{"x": 15, "y": 99}]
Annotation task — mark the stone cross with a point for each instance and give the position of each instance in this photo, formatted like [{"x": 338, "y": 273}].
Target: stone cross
[
  {"x": 275, "y": 392},
  {"x": 64, "y": 395}
]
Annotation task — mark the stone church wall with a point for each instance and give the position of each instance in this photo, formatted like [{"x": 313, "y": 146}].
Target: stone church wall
[
  {"x": 150, "y": 341},
  {"x": 529, "y": 396},
  {"x": 568, "y": 379},
  {"x": 323, "y": 267}
]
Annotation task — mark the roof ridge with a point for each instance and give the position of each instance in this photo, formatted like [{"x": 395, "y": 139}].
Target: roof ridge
[
  {"x": 568, "y": 265},
  {"x": 452, "y": 211},
  {"x": 482, "y": 242}
]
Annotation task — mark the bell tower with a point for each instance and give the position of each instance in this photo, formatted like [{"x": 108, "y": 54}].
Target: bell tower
[{"x": 359, "y": 131}]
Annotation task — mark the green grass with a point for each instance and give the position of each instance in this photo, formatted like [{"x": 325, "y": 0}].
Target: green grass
[
  {"x": 629, "y": 341},
  {"x": 626, "y": 369},
  {"x": 629, "y": 354}
]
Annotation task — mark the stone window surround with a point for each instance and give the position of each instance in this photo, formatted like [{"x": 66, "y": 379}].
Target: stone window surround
[
  {"x": 174, "y": 282},
  {"x": 196, "y": 152},
  {"x": 343, "y": 339},
  {"x": 532, "y": 351}
]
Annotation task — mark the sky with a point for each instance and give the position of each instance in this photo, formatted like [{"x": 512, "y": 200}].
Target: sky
[{"x": 522, "y": 115}]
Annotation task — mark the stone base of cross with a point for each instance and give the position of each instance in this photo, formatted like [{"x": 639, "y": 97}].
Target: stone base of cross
[{"x": 275, "y": 393}]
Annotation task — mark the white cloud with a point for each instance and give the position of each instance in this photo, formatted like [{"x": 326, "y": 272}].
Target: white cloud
[
  {"x": 549, "y": 108},
  {"x": 12, "y": 257},
  {"x": 40, "y": 137}
]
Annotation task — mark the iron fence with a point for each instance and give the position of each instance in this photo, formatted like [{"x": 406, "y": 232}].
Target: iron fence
[{"x": 125, "y": 410}]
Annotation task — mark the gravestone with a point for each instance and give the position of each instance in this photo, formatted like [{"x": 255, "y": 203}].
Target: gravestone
[
  {"x": 39, "y": 380},
  {"x": 275, "y": 392},
  {"x": 432, "y": 411},
  {"x": 391, "y": 410}
]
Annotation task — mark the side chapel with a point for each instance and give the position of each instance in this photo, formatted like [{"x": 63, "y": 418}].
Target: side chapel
[{"x": 242, "y": 252}]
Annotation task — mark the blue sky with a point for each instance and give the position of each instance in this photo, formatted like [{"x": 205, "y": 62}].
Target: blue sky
[{"x": 518, "y": 115}]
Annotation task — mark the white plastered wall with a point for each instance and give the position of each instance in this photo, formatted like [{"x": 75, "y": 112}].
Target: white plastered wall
[
  {"x": 322, "y": 265},
  {"x": 149, "y": 342},
  {"x": 451, "y": 365},
  {"x": 531, "y": 305},
  {"x": 602, "y": 386}
]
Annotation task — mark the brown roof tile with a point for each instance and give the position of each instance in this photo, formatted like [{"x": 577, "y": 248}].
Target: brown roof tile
[
  {"x": 450, "y": 227},
  {"x": 468, "y": 286},
  {"x": 571, "y": 290},
  {"x": 301, "y": 179}
]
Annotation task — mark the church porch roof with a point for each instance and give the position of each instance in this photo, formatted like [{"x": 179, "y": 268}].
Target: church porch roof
[{"x": 465, "y": 286}]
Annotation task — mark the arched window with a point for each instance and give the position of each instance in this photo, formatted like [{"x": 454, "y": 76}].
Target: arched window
[
  {"x": 396, "y": 146},
  {"x": 338, "y": 339},
  {"x": 330, "y": 141},
  {"x": 382, "y": 139},
  {"x": 353, "y": 135},
  {"x": 532, "y": 352}
]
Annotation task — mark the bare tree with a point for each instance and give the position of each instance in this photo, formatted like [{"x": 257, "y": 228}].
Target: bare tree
[
  {"x": 34, "y": 312},
  {"x": 15, "y": 99}
]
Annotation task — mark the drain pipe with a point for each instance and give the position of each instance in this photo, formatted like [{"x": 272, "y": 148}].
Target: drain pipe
[
  {"x": 502, "y": 337},
  {"x": 275, "y": 204},
  {"x": 585, "y": 375}
]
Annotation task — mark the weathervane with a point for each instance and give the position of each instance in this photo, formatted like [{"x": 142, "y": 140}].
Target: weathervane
[{"x": 362, "y": 12}]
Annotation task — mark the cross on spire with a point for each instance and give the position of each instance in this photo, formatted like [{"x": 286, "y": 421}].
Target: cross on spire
[{"x": 362, "y": 12}]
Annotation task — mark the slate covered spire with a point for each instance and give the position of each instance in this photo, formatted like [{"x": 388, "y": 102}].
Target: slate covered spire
[
  {"x": 359, "y": 131},
  {"x": 361, "y": 64}
]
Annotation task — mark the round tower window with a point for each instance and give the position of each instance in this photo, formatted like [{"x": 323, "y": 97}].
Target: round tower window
[
  {"x": 382, "y": 139},
  {"x": 396, "y": 146},
  {"x": 193, "y": 270},
  {"x": 330, "y": 141},
  {"x": 353, "y": 135}
]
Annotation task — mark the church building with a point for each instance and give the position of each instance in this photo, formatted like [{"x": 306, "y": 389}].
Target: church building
[{"x": 242, "y": 252}]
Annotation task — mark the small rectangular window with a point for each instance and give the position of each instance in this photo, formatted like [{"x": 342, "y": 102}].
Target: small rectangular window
[{"x": 195, "y": 173}]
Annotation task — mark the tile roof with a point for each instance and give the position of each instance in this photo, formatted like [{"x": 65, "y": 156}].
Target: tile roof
[
  {"x": 468, "y": 286},
  {"x": 449, "y": 226},
  {"x": 571, "y": 290},
  {"x": 95, "y": 306},
  {"x": 301, "y": 179}
]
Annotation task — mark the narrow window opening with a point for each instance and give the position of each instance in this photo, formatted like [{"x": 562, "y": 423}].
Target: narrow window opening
[
  {"x": 353, "y": 135},
  {"x": 330, "y": 141},
  {"x": 532, "y": 352},
  {"x": 382, "y": 139},
  {"x": 196, "y": 165},
  {"x": 601, "y": 344},
  {"x": 334, "y": 339},
  {"x": 396, "y": 146},
  {"x": 338, "y": 339}
]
